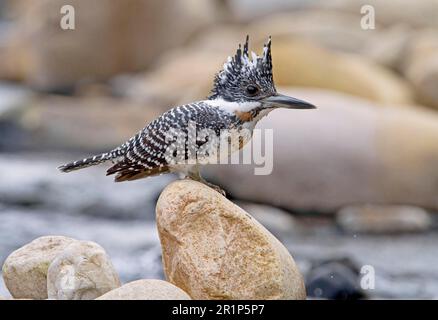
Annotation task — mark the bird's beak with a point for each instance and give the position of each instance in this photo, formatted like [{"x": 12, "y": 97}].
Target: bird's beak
[{"x": 282, "y": 101}]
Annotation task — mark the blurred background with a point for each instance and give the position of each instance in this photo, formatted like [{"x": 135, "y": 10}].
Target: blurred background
[{"x": 354, "y": 183}]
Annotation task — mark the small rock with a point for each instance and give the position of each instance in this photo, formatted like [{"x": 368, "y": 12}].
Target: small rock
[
  {"x": 25, "y": 270},
  {"x": 83, "y": 271},
  {"x": 334, "y": 280},
  {"x": 212, "y": 249},
  {"x": 383, "y": 219},
  {"x": 146, "y": 289}
]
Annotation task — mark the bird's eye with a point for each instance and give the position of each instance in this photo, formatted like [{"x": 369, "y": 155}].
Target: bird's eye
[{"x": 252, "y": 90}]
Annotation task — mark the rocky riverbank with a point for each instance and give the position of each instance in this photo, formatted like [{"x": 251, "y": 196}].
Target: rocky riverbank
[
  {"x": 132, "y": 241},
  {"x": 212, "y": 249}
]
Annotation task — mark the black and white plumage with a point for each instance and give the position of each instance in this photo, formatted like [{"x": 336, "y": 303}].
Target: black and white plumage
[{"x": 243, "y": 93}]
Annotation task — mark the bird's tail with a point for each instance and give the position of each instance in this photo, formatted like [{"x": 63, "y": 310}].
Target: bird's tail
[{"x": 84, "y": 163}]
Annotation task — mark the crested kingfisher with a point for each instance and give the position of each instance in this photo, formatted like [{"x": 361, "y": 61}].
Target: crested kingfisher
[{"x": 243, "y": 92}]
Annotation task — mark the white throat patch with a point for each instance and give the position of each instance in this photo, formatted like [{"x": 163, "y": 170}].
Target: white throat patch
[{"x": 232, "y": 107}]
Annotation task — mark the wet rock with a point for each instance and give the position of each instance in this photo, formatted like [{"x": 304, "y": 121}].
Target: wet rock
[
  {"x": 383, "y": 219},
  {"x": 212, "y": 249},
  {"x": 108, "y": 38},
  {"x": 346, "y": 151},
  {"x": 336, "y": 279},
  {"x": 25, "y": 270},
  {"x": 146, "y": 289},
  {"x": 82, "y": 271}
]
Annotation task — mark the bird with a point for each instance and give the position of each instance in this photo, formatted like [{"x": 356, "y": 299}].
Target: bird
[{"x": 243, "y": 93}]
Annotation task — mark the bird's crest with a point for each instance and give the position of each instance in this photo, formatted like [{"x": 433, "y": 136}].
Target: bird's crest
[{"x": 243, "y": 66}]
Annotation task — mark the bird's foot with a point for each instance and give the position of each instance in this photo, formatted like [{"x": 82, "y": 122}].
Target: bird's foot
[
  {"x": 216, "y": 188},
  {"x": 208, "y": 184}
]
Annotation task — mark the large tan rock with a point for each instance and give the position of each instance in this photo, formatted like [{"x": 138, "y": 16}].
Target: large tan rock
[
  {"x": 79, "y": 122},
  {"x": 421, "y": 66},
  {"x": 110, "y": 37},
  {"x": 146, "y": 289},
  {"x": 297, "y": 63},
  {"x": 347, "y": 151},
  {"x": 420, "y": 13},
  {"x": 82, "y": 271},
  {"x": 25, "y": 270},
  {"x": 212, "y": 249}
]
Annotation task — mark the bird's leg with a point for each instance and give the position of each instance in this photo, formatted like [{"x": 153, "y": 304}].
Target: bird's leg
[{"x": 195, "y": 174}]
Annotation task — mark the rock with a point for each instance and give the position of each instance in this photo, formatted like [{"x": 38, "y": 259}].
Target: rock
[
  {"x": 334, "y": 279},
  {"x": 297, "y": 63},
  {"x": 274, "y": 219},
  {"x": 333, "y": 30},
  {"x": 82, "y": 271},
  {"x": 165, "y": 87},
  {"x": 418, "y": 14},
  {"x": 421, "y": 67},
  {"x": 337, "y": 30},
  {"x": 146, "y": 289},
  {"x": 108, "y": 38},
  {"x": 213, "y": 249},
  {"x": 75, "y": 123},
  {"x": 347, "y": 151},
  {"x": 383, "y": 219},
  {"x": 25, "y": 270}
]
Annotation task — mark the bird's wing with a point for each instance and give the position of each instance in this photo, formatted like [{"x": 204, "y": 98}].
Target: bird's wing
[{"x": 145, "y": 154}]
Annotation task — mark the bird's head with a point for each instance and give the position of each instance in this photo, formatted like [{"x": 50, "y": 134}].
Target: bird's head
[{"x": 248, "y": 81}]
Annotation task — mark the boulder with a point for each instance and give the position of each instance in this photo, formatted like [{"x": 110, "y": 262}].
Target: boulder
[
  {"x": 383, "y": 219},
  {"x": 75, "y": 123},
  {"x": 421, "y": 67},
  {"x": 146, "y": 289},
  {"x": 349, "y": 150},
  {"x": 420, "y": 13},
  {"x": 337, "y": 30},
  {"x": 297, "y": 63},
  {"x": 212, "y": 249},
  {"x": 82, "y": 271},
  {"x": 25, "y": 270},
  {"x": 274, "y": 219},
  {"x": 337, "y": 279},
  {"x": 109, "y": 38}
]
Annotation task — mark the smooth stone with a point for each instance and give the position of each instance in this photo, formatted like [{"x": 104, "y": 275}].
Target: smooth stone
[
  {"x": 25, "y": 270},
  {"x": 383, "y": 219},
  {"x": 212, "y": 249},
  {"x": 82, "y": 271},
  {"x": 146, "y": 289}
]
